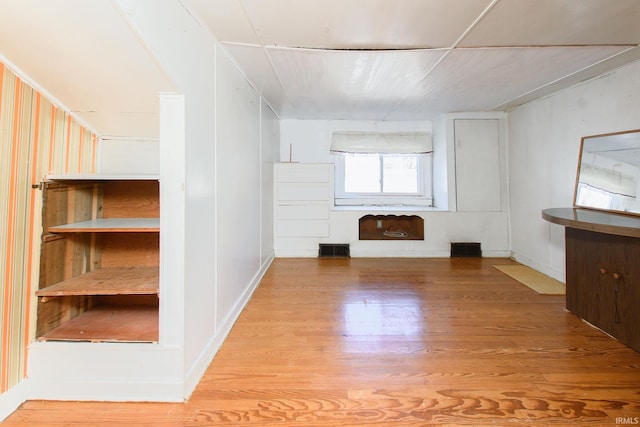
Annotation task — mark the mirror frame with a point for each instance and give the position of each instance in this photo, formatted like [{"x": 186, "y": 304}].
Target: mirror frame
[{"x": 575, "y": 191}]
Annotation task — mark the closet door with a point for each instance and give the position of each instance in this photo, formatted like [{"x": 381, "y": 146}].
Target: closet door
[{"x": 477, "y": 151}]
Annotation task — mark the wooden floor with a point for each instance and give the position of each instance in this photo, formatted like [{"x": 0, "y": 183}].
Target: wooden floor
[{"x": 398, "y": 342}]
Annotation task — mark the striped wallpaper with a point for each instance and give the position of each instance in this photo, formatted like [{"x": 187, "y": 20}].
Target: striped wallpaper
[{"x": 36, "y": 138}]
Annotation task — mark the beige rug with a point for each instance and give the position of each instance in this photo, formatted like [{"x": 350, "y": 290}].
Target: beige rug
[{"x": 535, "y": 280}]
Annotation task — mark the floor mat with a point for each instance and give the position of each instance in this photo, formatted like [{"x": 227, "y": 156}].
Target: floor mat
[{"x": 535, "y": 280}]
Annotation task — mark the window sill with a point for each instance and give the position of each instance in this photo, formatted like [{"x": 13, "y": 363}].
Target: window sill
[{"x": 387, "y": 208}]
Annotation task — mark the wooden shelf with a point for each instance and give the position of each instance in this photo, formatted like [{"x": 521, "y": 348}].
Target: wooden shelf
[
  {"x": 108, "y": 281},
  {"x": 110, "y": 225},
  {"x": 99, "y": 262},
  {"x": 133, "y": 323}
]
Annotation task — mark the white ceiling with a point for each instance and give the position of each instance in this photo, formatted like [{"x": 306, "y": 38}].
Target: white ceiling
[
  {"x": 340, "y": 59},
  {"x": 415, "y": 59},
  {"x": 84, "y": 55}
]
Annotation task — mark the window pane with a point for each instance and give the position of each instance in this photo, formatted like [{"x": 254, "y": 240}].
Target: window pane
[
  {"x": 361, "y": 173},
  {"x": 400, "y": 174}
]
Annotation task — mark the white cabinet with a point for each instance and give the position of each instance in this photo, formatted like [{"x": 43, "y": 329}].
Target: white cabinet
[{"x": 303, "y": 201}]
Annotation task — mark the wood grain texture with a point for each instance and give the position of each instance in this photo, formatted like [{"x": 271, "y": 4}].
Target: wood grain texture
[
  {"x": 393, "y": 342},
  {"x": 108, "y": 281},
  {"x": 131, "y": 199},
  {"x": 93, "y": 256},
  {"x": 603, "y": 284},
  {"x": 110, "y": 323}
]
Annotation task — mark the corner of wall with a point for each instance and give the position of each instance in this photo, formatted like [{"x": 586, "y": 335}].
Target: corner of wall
[{"x": 12, "y": 399}]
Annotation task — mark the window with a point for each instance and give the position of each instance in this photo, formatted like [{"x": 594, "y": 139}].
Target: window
[
  {"x": 383, "y": 179},
  {"x": 382, "y": 168}
]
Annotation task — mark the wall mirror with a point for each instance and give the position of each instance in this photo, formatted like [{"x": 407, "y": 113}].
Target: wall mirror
[{"x": 609, "y": 173}]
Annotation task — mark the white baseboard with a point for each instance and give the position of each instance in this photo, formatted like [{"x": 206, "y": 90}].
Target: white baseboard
[
  {"x": 198, "y": 369},
  {"x": 385, "y": 253},
  {"x": 104, "y": 372},
  {"x": 382, "y": 253},
  {"x": 558, "y": 275},
  {"x": 12, "y": 399},
  {"x": 496, "y": 254},
  {"x": 296, "y": 253}
]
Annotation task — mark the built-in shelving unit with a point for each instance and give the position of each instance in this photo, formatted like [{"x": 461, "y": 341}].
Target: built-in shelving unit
[
  {"x": 303, "y": 201},
  {"x": 100, "y": 259}
]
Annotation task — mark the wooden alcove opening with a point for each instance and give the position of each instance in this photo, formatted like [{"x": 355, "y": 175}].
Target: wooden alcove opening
[{"x": 391, "y": 227}]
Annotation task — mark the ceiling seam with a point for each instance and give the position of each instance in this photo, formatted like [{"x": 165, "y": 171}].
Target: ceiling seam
[
  {"x": 439, "y": 61},
  {"x": 266, "y": 52},
  {"x": 220, "y": 43},
  {"x": 514, "y": 102}
]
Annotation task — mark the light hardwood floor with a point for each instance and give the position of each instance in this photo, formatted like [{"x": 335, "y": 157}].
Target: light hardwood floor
[{"x": 398, "y": 342}]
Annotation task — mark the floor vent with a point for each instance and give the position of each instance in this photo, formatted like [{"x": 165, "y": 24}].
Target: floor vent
[
  {"x": 334, "y": 250},
  {"x": 466, "y": 250}
]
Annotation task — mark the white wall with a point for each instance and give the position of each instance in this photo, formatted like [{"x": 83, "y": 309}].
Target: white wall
[
  {"x": 224, "y": 258},
  {"x": 128, "y": 156},
  {"x": 310, "y": 140},
  {"x": 544, "y": 143},
  {"x": 243, "y": 148}
]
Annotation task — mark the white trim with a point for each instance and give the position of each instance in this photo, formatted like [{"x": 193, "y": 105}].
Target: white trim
[
  {"x": 385, "y": 252},
  {"x": 422, "y": 199},
  {"x": 135, "y": 391},
  {"x": 105, "y": 371},
  {"x": 102, "y": 177},
  {"x": 172, "y": 219},
  {"x": 12, "y": 399},
  {"x": 558, "y": 275},
  {"x": 369, "y": 209},
  {"x": 413, "y": 253}
]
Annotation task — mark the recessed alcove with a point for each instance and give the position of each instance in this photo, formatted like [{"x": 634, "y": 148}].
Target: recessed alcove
[{"x": 391, "y": 227}]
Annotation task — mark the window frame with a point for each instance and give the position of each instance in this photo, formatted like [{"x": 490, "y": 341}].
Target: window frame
[{"x": 422, "y": 198}]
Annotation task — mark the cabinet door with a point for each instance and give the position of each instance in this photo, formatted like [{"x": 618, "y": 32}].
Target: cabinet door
[
  {"x": 625, "y": 262},
  {"x": 589, "y": 292},
  {"x": 603, "y": 282}
]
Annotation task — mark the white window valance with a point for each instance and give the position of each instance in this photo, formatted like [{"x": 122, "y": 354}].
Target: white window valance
[{"x": 382, "y": 142}]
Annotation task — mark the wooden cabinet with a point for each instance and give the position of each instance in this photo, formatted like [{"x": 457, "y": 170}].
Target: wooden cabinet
[
  {"x": 99, "y": 268},
  {"x": 603, "y": 270},
  {"x": 603, "y": 282}
]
